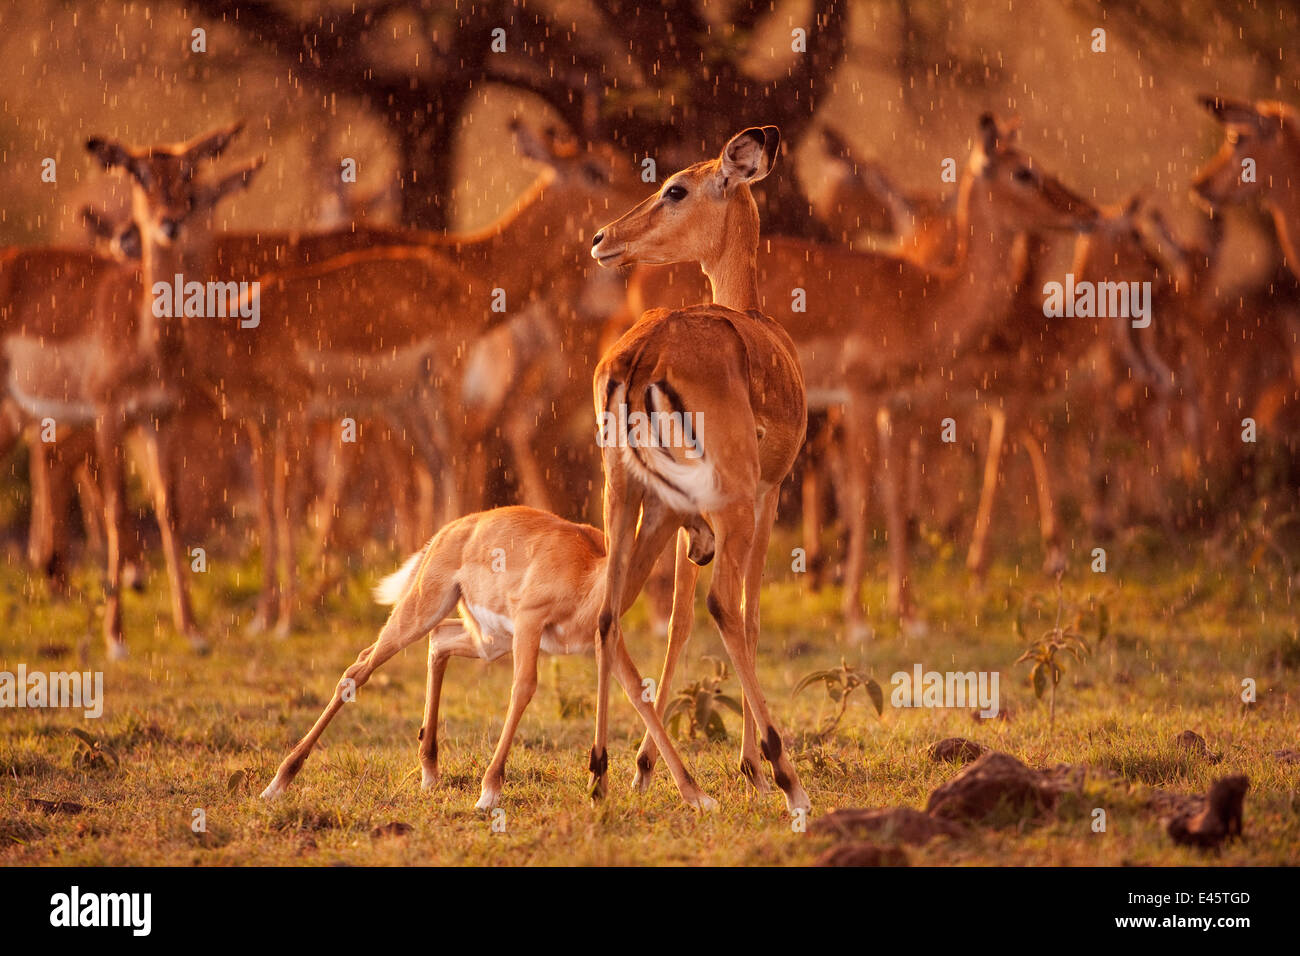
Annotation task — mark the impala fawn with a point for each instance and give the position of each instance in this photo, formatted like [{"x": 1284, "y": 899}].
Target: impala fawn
[{"x": 525, "y": 582}]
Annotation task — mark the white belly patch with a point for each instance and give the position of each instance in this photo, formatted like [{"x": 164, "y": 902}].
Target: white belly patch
[{"x": 494, "y": 634}]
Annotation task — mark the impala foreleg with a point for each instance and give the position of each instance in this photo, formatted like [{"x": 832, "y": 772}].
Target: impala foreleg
[
  {"x": 858, "y": 444},
  {"x": 1054, "y": 556},
  {"x": 162, "y": 476},
  {"x": 109, "y": 437},
  {"x": 977, "y": 557}
]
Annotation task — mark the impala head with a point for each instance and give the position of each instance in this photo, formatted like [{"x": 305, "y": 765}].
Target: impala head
[
  {"x": 699, "y": 213},
  {"x": 591, "y": 179},
  {"x": 120, "y": 239},
  {"x": 1267, "y": 133},
  {"x": 166, "y": 196},
  {"x": 860, "y": 196},
  {"x": 1130, "y": 242},
  {"x": 1021, "y": 197}
]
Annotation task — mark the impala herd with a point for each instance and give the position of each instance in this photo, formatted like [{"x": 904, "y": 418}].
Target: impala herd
[{"x": 929, "y": 308}]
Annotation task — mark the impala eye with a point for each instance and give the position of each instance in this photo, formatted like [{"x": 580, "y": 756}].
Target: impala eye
[
  {"x": 675, "y": 193},
  {"x": 1023, "y": 175}
]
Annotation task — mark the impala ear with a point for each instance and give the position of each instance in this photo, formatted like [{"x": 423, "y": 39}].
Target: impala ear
[
  {"x": 113, "y": 155},
  {"x": 1232, "y": 113},
  {"x": 542, "y": 146},
  {"x": 989, "y": 133},
  {"x": 836, "y": 146},
  {"x": 209, "y": 194},
  {"x": 110, "y": 153},
  {"x": 749, "y": 156},
  {"x": 127, "y": 242},
  {"x": 212, "y": 145},
  {"x": 96, "y": 225}
]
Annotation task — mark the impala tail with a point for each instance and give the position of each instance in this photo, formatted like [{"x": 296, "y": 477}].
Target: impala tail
[{"x": 390, "y": 590}]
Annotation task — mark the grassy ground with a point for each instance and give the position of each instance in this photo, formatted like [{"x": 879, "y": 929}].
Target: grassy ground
[{"x": 181, "y": 733}]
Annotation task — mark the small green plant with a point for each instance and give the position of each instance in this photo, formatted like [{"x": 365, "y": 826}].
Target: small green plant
[
  {"x": 698, "y": 703},
  {"x": 840, "y": 683},
  {"x": 90, "y": 754},
  {"x": 1048, "y": 651}
]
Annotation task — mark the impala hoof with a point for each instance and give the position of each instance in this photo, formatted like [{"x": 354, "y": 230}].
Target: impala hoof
[
  {"x": 915, "y": 627},
  {"x": 273, "y": 790},
  {"x": 704, "y": 803},
  {"x": 859, "y": 633},
  {"x": 428, "y": 779},
  {"x": 1054, "y": 563},
  {"x": 198, "y": 643},
  {"x": 487, "y": 801},
  {"x": 133, "y": 577},
  {"x": 797, "y": 802},
  {"x": 117, "y": 651}
]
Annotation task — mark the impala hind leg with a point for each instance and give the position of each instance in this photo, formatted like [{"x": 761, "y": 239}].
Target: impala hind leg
[
  {"x": 858, "y": 449},
  {"x": 449, "y": 639},
  {"x": 736, "y": 530},
  {"x": 406, "y": 625},
  {"x": 680, "y": 622},
  {"x": 630, "y": 679},
  {"x": 622, "y": 507},
  {"x": 750, "y": 751},
  {"x": 528, "y": 637},
  {"x": 285, "y": 529},
  {"x": 1049, "y": 527},
  {"x": 263, "y": 460}
]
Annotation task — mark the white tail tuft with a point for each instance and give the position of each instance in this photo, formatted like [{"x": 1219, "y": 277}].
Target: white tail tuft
[{"x": 390, "y": 589}]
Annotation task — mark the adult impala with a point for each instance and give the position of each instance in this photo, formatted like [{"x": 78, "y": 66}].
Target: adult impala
[
  {"x": 736, "y": 372},
  {"x": 1259, "y": 160},
  {"x": 81, "y": 346},
  {"x": 877, "y": 325}
]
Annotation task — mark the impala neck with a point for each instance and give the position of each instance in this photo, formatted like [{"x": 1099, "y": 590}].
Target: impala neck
[
  {"x": 733, "y": 272},
  {"x": 159, "y": 263},
  {"x": 529, "y": 223},
  {"x": 1284, "y": 204},
  {"x": 981, "y": 271}
]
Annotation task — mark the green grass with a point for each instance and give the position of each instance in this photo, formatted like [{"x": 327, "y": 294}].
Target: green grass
[{"x": 190, "y": 732}]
